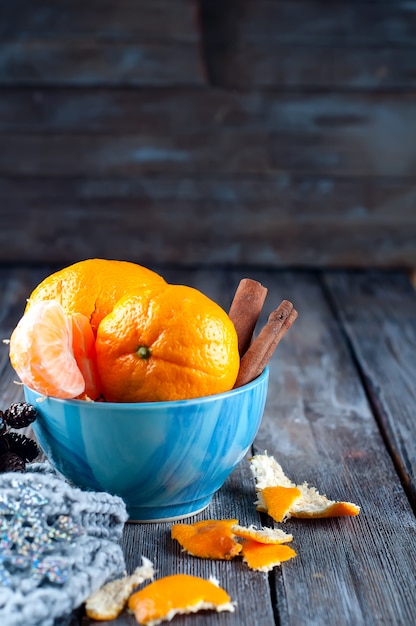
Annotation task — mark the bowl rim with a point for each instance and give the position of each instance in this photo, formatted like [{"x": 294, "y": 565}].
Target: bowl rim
[{"x": 101, "y": 406}]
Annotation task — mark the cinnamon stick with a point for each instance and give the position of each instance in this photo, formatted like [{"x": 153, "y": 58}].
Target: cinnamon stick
[
  {"x": 245, "y": 310},
  {"x": 261, "y": 349}
]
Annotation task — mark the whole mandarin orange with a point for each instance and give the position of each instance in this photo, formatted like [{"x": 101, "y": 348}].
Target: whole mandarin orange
[
  {"x": 93, "y": 286},
  {"x": 166, "y": 343}
]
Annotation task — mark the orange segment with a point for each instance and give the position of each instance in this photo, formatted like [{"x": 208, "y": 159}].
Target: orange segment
[
  {"x": 208, "y": 539},
  {"x": 93, "y": 286},
  {"x": 272, "y": 484},
  {"x": 263, "y": 557},
  {"x": 41, "y": 352},
  {"x": 166, "y": 343},
  {"x": 278, "y": 501},
  {"x": 83, "y": 345},
  {"x": 177, "y": 594}
]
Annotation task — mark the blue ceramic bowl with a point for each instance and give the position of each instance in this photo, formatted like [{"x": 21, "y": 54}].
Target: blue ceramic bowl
[{"x": 165, "y": 459}]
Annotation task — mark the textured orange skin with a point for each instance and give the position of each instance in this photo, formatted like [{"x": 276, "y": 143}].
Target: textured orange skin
[
  {"x": 187, "y": 342},
  {"x": 176, "y": 594},
  {"x": 279, "y": 500},
  {"x": 260, "y": 555},
  {"x": 93, "y": 286},
  {"x": 83, "y": 346},
  {"x": 208, "y": 539}
]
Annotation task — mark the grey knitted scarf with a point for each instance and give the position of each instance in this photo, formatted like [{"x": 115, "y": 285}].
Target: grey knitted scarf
[{"x": 58, "y": 544}]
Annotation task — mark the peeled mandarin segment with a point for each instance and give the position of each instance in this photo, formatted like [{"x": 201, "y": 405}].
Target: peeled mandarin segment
[
  {"x": 263, "y": 535},
  {"x": 166, "y": 343},
  {"x": 311, "y": 504},
  {"x": 262, "y": 557},
  {"x": 41, "y": 352},
  {"x": 278, "y": 501},
  {"x": 93, "y": 286},
  {"x": 83, "y": 345},
  {"x": 208, "y": 539},
  {"x": 177, "y": 594}
]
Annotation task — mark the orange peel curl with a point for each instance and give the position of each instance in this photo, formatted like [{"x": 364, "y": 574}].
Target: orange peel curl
[{"x": 276, "y": 494}]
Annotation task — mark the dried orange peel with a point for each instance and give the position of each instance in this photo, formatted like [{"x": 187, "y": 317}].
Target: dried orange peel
[
  {"x": 225, "y": 539},
  {"x": 177, "y": 594},
  {"x": 278, "y": 496},
  {"x": 208, "y": 539},
  {"x": 109, "y": 601},
  {"x": 263, "y": 557}
]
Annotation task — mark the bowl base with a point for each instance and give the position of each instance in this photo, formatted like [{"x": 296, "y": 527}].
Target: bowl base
[{"x": 140, "y": 515}]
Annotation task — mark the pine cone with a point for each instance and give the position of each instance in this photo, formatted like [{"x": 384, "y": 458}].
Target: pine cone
[
  {"x": 11, "y": 462},
  {"x": 25, "y": 448},
  {"x": 20, "y": 415},
  {"x": 3, "y": 425}
]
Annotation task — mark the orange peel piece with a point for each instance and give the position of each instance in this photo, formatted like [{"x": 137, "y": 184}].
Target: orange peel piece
[
  {"x": 109, "y": 600},
  {"x": 208, "y": 539},
  {"x": 272, "y": 484},
  {"x": 264, "y": 557},
  {"x": 177, "y": 594},
  {"x": 278, "y": 501},
  {"x": 262, "y": 535}
]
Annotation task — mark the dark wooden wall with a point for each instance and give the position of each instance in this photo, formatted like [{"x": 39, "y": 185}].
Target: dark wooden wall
[{"x": 266, "y": 132}]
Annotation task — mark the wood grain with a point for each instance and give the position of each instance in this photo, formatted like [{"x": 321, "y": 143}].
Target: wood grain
[
  {"x": 378, "y": 312},
  {"x": 102, "y": 20},
  {"x": 286, "y": 44},
  {"x": 322, "y": 425}
]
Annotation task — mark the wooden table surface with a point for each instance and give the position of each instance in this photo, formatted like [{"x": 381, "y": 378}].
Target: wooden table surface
[{"x": 340, "y": 414}]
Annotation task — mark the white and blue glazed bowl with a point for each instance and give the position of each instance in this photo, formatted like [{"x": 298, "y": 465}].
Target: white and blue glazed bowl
[{"x": 165, "y": 459}]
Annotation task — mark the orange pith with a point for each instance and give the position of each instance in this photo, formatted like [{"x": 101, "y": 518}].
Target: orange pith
[
  {"x": 208, "y": 539},
  {"x": 41, "y": 352},
  {"x": 166, "y": 343},
  {"x": 93, "y": 286},
  {"x": 177, "y": 594},
  {"x": 261, "y": 535}
]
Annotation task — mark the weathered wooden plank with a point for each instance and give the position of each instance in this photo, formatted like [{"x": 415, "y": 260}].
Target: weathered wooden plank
[
  {"x": 207, "y": 131},
  {"x": 288, "y": 66},
  {"x": 210, "y": 151},
  {"x": 310, "y": 44},
  {"x": 378, "y": 311},
  {"x": 377, "y": 122},
  {"x": 96, "y": 63},
  {"x": 148, "y": 230},
  {"x": 312, "y": 22},
  {"x": 281, "y": 198},
  {"x": 320, "y": 427},
  {"x": 173, "y": 20}
]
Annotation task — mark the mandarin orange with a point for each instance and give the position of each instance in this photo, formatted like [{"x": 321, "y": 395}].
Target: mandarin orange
[
  {"x": 167, "y": 342},
  {"x": 93, "y": 286}
]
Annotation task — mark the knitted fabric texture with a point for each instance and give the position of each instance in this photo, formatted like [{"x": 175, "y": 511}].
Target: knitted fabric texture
[{"x": 58, "y": 544}]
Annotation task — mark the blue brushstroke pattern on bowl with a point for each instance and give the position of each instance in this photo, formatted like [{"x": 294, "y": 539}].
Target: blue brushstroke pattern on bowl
[{"x": 165, "y": 459}]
